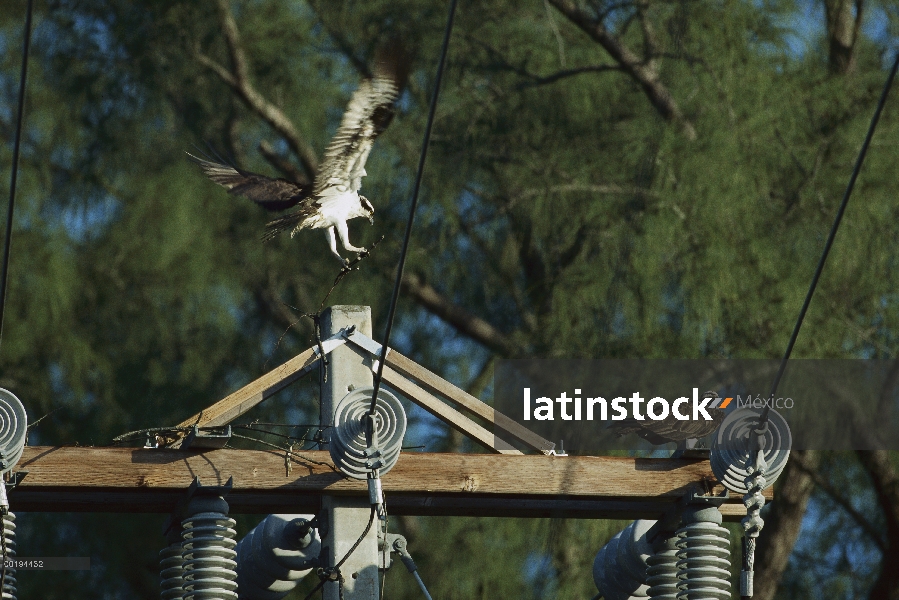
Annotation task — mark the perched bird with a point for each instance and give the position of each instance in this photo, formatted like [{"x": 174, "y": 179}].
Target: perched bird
[
  {"x": 333, "y": 198},
  {"x": 671, "y": 429}
]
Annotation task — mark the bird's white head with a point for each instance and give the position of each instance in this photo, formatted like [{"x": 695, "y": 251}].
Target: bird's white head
[{"x": 367, "y": 209}]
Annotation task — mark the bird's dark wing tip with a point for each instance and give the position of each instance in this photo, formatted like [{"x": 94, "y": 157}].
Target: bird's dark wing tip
[{"x": 393, "y": 60}]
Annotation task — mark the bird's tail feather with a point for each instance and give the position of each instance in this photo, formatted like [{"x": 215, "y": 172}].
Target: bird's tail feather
[{"x": 287, "y": 222}]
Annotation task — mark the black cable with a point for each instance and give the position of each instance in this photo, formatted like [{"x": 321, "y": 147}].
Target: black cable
[
  {"x": 385, "y": 552},
  {"x": 326, "y": 573},
  {"x": 5, "y": 557},
  {"x": 321, "y": 584},
  {"x": 15, "y": 165},
  {"x": 763, "y": 418},
  {"x": 287, "y": 425},
  {"x": 371, "y": 520},
  {"x": 421, "y": 165},
  {"x": 383, "y": 576},
  {"x": 290, "y": 452},
  {"x": 279, "y": 435}
]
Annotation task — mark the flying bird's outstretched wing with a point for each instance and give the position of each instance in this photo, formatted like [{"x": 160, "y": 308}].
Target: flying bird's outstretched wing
[
  {"x": 367, "y": 115},
  {"x": 333, "y": 198},
  {"x": 268, "y": 192}
]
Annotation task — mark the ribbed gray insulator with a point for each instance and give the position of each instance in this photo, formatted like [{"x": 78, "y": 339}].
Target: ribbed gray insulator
[
  {"x": 275, "y": 555},
  {"x": 735, "y": 449},
  {"x": 703, "y": 555},
  {"x": 171, "y": 570},
  {"x": 661, "y": 572},
  {"x": 13, "y": 430},
  {"x": 349, "y": 445},
  {"x": 619, "y": 569},
  {"x": 9, "y": 540},
  {"x": 208, "y": 551}
]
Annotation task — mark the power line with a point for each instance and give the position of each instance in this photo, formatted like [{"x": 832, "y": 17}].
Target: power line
[
  {"x": 15, "y": 165},
  {"x": 421, "y": 165},
  {"x": 763, "y": 418}
]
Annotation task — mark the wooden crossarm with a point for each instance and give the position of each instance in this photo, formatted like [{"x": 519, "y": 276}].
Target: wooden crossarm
[{"x": 65, "y": 479}]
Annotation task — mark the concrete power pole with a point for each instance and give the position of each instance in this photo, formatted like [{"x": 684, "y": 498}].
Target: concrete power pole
[{"x": 348, "y": 369}]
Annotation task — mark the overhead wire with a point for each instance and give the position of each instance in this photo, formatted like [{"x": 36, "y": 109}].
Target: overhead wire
[
  {"x": 391, "y": 313},
  {"x": 763, "y": 417},
  {"x": 7, "y": 244},
  {"x": 325, "y": 574}
]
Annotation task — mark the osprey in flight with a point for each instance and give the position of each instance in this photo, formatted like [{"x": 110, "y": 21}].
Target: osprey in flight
[
  {"x": 671, "y": 429},
  {"x": 333, "y": 198}
]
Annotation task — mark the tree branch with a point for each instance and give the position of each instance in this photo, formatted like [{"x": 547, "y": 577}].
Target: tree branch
[
  {"x": 593, "y": 188},
  {"x": 782, "y": 524},
  {"x": 537, "y": 80},
  {"x": 274, "y": 159},
  {"x": 239, "y": 81},
  {"x": 640, "y": 70},
  {"x": 527, "y": 316},
  {"x": 845, "y": 504},
  {"x": 886, "y": 487},
  {"x": 343, "y": 44},
  {"x": 463, "y": 321},
  {"x": 501, "y": 63},
  {"x": 844, "y": 18}
]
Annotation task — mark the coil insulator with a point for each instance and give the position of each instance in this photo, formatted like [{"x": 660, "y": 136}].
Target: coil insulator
[
  {"x": 9, "y": 542},
  {"x": 703, "y": 555},
  {"x": 207, "y": 548},
  {"x": 349, "y": 447},
  {"x": 171, "y": 569},
  {"x": 619, "y": 569},
  {"x": 736, "y": 445},
  {"x": 275, "y": 555},
  {"x": 13, "y": 430},
  {"x": 13, "y": 433},
  {"x": 662, "y": 571}
]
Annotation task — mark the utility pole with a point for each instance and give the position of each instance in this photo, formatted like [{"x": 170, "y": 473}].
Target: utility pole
[
  {"x": 346, "y": 517},
  {"x": 502, "y": 483}
]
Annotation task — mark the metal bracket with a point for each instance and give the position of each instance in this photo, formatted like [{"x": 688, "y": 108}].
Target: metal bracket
[
  {"x": 363, "y": 342},
  {"x": 15, "y": 478},
  {"x": 335, "y": 341},
  {"x": 691, "y": 449},
  {"x": 670, "y": 519},
  {"x": 207, "y": 439},
  {"x": 561, "y": 451},
  {"x": 385, "y": 549},
  {"x": 708, "y": 499},
  {"x": 396, "y": 543},
  {"x": 390, "y": 543}
]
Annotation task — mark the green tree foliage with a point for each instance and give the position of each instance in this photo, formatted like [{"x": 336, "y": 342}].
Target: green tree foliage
[{"x": 605, "y": 180}]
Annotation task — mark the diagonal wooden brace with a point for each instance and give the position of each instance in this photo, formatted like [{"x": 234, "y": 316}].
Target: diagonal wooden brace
[
  {"x": 446, "y": 413},
  {"x": 239, "y": 402},
  {"x": 462, "y": 399}
]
